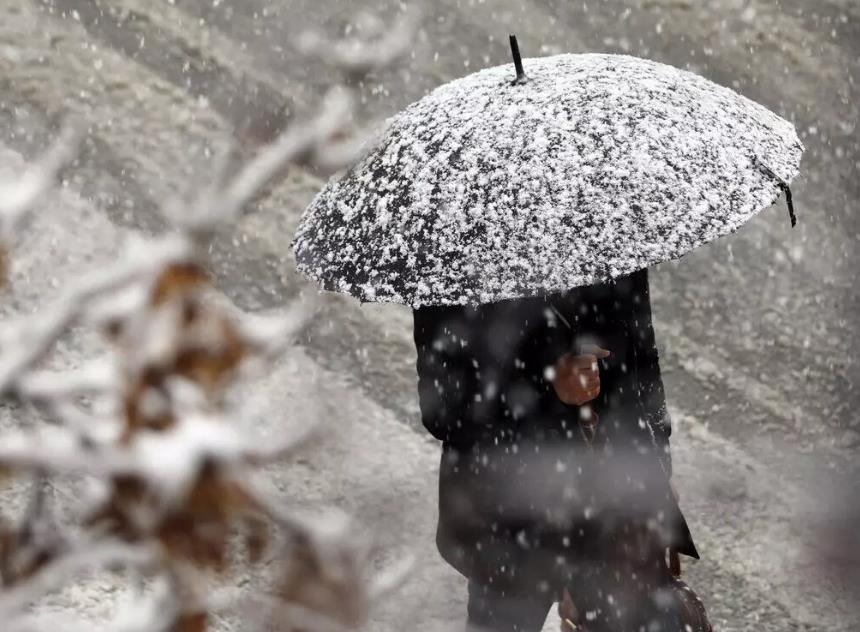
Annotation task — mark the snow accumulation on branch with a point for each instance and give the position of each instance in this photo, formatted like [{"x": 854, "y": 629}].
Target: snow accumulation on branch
[{"x": 176, "y": 502}]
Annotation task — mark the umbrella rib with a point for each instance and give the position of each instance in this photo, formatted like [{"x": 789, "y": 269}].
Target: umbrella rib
[
  {"x": 558, "y": 313},
  {"x": 786, "y": 189}
]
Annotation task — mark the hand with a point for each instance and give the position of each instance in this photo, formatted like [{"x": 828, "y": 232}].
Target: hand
[{"x": 576, "y": 378}]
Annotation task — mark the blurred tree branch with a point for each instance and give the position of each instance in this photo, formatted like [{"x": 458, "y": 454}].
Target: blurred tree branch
[{"x": 174, "y": 470}]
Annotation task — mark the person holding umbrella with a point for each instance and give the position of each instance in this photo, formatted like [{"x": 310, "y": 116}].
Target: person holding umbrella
[
  {"x": 527, "y": 509},
  {"x": 517, "y": 215}
]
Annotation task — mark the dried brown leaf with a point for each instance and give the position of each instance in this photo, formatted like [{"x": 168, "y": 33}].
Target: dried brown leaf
[
  {"x": 21, "y": 556},
  {"x": 115, "y": 516},
  {"x": 311, "y": 583},
  {"x": 136, "y": 414},
  {"x": 199, "y": 529},
  {"x": 212, "y": 359},
  {"x": 257, "y": 538},
  {"x": 191, "y": 622},
  {"x": 178, "y": 279}
]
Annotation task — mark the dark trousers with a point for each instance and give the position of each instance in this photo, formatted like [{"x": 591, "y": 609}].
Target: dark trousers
[
  {"x": 609, "y": 598},
  {"x": 492, "y": 611}
]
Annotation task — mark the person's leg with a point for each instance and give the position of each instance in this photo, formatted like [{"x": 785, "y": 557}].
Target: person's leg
[{"x": 496, "y": 611}]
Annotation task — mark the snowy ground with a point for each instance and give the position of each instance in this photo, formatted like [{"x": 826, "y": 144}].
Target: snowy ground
[{"x": 758, "y": 336}]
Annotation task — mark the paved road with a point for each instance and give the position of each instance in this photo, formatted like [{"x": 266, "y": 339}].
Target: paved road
[{"x": 756, "y": 332}]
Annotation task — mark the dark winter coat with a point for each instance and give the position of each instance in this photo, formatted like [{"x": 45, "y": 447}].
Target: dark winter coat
[{"x": 521, "y": 495}]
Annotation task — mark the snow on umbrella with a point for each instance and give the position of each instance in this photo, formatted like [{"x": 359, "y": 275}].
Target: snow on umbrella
[{"x": 584, "y": 168}]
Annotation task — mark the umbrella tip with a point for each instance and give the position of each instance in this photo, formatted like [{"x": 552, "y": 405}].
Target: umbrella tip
[
  {"x": 790, "y": 203},
  {"x": 518, "y": 61},
  {"x": 783, "y": 185}
]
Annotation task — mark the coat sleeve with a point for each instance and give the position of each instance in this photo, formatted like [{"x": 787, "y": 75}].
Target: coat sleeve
[
  {"x": 655, "y": 414},
  {"x": 452, "y": 409}
]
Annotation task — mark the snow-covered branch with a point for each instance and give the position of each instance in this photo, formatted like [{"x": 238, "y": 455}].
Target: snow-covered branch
[
  {"x": 358, "y": 56},
  {"x": 18, "y": 198},
  {"x": 174, "y": 477}
]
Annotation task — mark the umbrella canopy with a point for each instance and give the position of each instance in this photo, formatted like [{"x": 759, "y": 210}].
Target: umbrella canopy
[{"x": 587, "y": 168}]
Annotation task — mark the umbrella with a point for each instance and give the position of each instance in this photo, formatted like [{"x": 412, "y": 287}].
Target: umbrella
[{"x": 573, "y": 170}]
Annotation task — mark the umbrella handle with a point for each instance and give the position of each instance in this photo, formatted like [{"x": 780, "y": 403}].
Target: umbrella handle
[{"x": 588, "y": 427}]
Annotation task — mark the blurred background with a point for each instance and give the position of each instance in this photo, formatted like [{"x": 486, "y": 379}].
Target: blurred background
[{"x": 758, "y": 332}]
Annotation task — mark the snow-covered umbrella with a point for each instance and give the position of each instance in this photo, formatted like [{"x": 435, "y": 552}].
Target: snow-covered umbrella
[{"x": 580, "y": 169}]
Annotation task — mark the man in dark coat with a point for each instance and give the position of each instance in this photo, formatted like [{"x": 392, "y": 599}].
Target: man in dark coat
[{"x": 540, "y": 490}]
